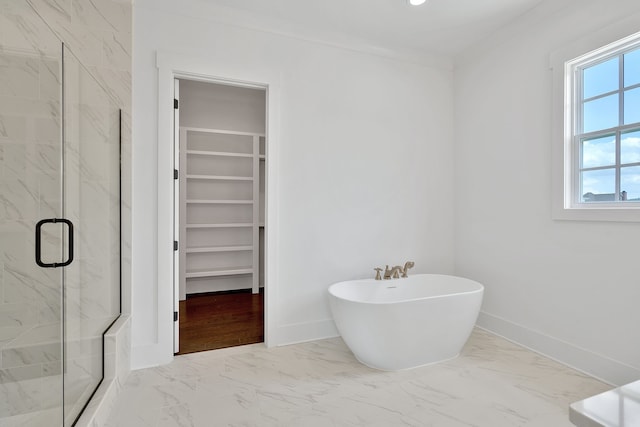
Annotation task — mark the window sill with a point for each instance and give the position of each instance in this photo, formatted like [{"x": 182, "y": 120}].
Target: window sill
[{"x": 610, "y": 214}]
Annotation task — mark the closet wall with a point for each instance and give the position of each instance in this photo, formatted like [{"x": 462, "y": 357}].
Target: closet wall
[{"x": 222, "y": 157}]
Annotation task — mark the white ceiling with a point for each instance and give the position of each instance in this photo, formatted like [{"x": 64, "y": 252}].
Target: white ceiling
[{"x": 439, "y": 27}]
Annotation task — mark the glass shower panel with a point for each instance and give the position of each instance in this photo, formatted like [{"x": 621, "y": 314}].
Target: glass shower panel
[
  {"x": 92, "y": 203},
  {"x": 30, "y": 189}
]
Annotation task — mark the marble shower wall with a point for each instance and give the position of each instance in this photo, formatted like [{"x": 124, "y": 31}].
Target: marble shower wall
[
  {"x": 99, "y": 33},
  {"x": 91, "y": 188},
  {"x": 30, "y": 172}
]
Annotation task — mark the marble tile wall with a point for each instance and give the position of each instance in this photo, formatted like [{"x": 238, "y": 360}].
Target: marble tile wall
[
  {"x": 99, "y": 33},
  {"x": 30, "y": 303},
  {"x": 117, "y": 362},
  {"x": 92, "y": 293}
]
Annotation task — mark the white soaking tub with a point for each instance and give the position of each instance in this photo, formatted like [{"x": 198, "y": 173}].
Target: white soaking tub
[{"x": 408, "y": 322}]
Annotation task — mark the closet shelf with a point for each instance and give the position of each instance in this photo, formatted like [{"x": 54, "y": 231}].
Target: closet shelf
[
  {"x": 219, "y": 131},
  {"x": 208, "y": 249},
  {"x": 218, "y": 202},
  {"x": 213, "y": 272},
  {"x": 219, "y": 169},
  {"x": 218, "y": 153},
  {"x": 229, "y": 225},
  {"x": 220, "y": 178}
]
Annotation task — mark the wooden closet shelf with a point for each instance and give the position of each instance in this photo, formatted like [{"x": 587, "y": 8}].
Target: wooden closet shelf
[
  {"x": 213, "y": 272},
  {"x": 221, "y": 175},
  {"x": 219, "y": 131},
  {"x": 217, "y": 153},
  {"x": 208, "y": 249},
  {"x": 220, "y": 178},
  {"x": 219, "y": 202},
  {"x": 230, "y": 225}
]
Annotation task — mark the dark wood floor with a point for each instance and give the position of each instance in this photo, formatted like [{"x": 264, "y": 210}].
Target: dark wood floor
[{"x": 221, "y": 319}]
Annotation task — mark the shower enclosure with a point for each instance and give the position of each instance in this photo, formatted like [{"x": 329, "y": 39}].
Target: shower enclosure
[{"x": 59, "y": 224}]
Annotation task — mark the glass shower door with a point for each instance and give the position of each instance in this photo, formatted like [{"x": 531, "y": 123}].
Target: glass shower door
[
  {"x": 92, "y": 202},
  {"x": 30, "y": 190},
  {"x": 59, "y": 224}
]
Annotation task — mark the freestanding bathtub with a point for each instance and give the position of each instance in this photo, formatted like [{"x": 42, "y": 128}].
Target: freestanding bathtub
[{"x": 408, "y": 322}]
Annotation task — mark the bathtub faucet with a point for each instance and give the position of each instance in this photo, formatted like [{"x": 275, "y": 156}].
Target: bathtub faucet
[
  {"x": 394, "y": 272},
  {"x": 407, "y": 266}
]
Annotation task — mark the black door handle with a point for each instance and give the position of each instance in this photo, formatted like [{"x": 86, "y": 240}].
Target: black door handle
[{"x": 39, "y": 243}]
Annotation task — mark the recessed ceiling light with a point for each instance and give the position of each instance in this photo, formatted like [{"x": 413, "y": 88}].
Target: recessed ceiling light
[{"x": 416, "y": 2}]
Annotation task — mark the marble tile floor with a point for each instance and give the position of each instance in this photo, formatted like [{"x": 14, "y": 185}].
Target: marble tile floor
[{"x": 493, "y": 383}]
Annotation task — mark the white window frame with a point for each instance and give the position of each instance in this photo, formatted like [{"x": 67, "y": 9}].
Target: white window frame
[{"x": 566, "y": 65}]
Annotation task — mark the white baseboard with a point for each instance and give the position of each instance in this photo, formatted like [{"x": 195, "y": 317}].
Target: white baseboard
[
  {"x": 593, "y": 364},
  {"x": 146, "y": 356},
  {"x": 150, "y": 355},
  {"x": 303, "y": 332}
]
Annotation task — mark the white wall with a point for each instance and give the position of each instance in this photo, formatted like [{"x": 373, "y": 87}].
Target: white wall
[
  {"x": 365, "y": 168},
  {"x": 569, "y": 289},
  {"x": 216, "y": 106}
]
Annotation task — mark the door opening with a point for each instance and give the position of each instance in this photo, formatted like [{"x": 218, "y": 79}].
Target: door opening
[{"x": 220, "y": 152}]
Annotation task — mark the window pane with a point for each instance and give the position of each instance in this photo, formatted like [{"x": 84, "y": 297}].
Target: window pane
[
  {"x": 598, "y": 152},
  {"x": 632, "y": 106},
  {"x": 630, "y": 182},
  {"x": 632, "y": 68},
  {"x": 598, "y": 185},
  {"x": 630, "y": 147},
  {"x": 601, "y": 113},
  {"x": 600, "y": 78}
]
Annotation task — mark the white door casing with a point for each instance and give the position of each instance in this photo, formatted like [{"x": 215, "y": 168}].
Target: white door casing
[
  {"x": 176, "y": 216},
  {"x": 170, "y": 67}
]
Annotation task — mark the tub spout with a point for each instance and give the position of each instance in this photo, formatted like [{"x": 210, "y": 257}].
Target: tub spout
[
  {"x": 394, "y": 272},
  {"x": 407, "y": 266}
]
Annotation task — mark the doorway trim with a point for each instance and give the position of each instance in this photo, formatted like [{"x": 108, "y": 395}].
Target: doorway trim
[{"x": 173, "y": 66}]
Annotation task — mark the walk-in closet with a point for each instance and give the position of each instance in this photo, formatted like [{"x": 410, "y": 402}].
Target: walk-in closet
[{"x": 220, "y": 205}]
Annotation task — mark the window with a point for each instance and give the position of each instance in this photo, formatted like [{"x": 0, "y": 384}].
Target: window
[{"x": 602, "y": 128}]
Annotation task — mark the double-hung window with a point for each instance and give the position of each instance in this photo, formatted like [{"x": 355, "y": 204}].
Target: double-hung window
[{"x": 602, "y": 128}]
